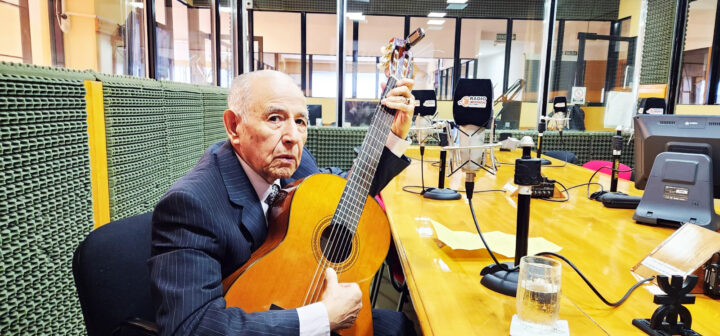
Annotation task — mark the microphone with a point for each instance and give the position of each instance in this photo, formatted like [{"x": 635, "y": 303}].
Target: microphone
[
  {"x": 472, "y": 111},
  {"x": 558, "y": 119}
]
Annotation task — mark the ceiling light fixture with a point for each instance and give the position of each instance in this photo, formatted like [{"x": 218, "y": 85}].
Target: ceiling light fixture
[
  {"x": 436, "y": 22},
  {"x": 437, "y": 14},
  {"x": 355, "y": 16}
]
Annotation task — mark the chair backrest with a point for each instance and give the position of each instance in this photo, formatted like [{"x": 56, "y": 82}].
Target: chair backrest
[{"x": 111, "y": 274}]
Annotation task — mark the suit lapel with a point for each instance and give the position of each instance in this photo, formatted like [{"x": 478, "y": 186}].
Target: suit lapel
[{"x": 241, "y": 193}]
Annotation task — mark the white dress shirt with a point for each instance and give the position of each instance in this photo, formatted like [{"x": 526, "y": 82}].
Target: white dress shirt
[{"x": 313, "y": 318}]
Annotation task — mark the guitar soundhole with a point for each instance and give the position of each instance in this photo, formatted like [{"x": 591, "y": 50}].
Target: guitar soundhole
[{"x": 336, "y": 243}]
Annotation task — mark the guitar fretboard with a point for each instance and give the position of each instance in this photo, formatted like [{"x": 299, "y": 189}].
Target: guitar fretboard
[{"x": 363, "y": 170}]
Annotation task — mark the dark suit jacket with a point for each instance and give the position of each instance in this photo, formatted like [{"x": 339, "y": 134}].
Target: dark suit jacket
[{"x": 206, "y": 227}]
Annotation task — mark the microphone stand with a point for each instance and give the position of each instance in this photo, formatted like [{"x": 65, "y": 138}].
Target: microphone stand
[
  {"x": 503, "y": 278},
  {"x": 541, "y": 130},
  {"x": 440, "y": 193},
  {"x": 617, "y": 144}
]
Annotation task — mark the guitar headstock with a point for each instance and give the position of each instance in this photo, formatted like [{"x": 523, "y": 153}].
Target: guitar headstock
[{"x": 397, "y": 60}]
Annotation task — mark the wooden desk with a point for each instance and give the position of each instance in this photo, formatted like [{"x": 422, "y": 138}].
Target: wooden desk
[{"x": 604, "y": 243}]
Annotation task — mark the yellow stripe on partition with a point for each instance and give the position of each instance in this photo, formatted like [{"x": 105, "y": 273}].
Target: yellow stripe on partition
[{"x": 98, "y": 152}]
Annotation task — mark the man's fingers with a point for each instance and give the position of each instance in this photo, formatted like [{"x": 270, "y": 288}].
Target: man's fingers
[
  {"x": 400, "y": 91},
  {"x": 330, "y": 277}
]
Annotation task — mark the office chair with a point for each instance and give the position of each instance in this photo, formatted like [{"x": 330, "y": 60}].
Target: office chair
[
  {"x": 112, "y": 278},
  {"x": 566, "y": 156}
]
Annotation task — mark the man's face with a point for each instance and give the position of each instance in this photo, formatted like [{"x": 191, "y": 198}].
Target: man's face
[{"x": 271, "y": 134}]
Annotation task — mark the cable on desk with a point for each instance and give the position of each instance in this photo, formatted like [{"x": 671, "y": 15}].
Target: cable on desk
[
  {"x": 602, "y": 298},
  {"x": 565, "y": 190},
  {"x": 408, "y": 188},
  {"x": 602, "y": 190},
  {"x": 469, "y": 186}
]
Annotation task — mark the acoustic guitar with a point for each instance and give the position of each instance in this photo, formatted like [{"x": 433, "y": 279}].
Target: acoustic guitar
[{"x": 325, "y": 221}]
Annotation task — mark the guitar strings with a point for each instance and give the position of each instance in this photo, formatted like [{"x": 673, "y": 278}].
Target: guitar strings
[
  {"x": 343, "y": 211},
  {"x": 361, "y": 197},
  {"x": 337, "y": 248}
]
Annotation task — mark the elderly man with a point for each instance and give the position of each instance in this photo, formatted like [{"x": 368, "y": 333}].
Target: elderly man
[{"x": 212, "y": 219}]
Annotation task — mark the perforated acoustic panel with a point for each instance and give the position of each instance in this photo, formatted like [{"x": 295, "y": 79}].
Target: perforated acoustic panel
[
  {"x": 183, "y": 109},
  {"x": 658, "y": 42},
  {"x": 136, "y": 137},
  {"x": 45, "y": 199},
  {"x": 517, "y": 9},
  {"x": 214, "y": 105}
]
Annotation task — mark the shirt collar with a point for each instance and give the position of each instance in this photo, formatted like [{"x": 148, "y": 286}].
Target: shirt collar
[{"x": 262, "y": 188}]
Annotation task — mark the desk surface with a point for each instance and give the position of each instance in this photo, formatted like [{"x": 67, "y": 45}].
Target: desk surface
[{"x": 604, "y": 243}]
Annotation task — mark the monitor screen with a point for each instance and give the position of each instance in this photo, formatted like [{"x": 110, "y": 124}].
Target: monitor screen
[
  {"x": 655, "y": 134},
  {"x": 314, "y": 113}
]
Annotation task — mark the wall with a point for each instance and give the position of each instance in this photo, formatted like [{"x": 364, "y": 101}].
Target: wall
[{"x": 698, "y": 109}]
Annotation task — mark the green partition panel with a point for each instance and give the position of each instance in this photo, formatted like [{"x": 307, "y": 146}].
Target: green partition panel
[
  {"x": 334, "y": 147},
  {"x": 183, "y": 109},
  {"x": 45, "y": 201},
  {"x": 136, "y": 138},
  {"x": 214, "y": 105}
]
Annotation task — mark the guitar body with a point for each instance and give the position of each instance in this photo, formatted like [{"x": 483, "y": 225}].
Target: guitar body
[{"x": 280, "y": 272}]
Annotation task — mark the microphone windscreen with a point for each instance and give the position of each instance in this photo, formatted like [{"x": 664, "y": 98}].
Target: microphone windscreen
[
  {"x": 473, "y": 102},
  {"x": 425, "y": 102},
  {"x": 651, "y": 105},
  {"x": 560, "y": 104}
]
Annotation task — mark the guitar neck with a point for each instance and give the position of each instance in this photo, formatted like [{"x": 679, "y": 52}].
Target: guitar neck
[{"x": 363, "y": 170}]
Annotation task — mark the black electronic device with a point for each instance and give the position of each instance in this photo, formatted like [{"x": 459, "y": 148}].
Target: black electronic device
[
  {"x": 711, "y": 282},
  {"x": 545, "y": 189},
  {"x": 651, "y": 106},
  {"x": 425, "y": 102},
  {"x": 314, "y": 113},
  {"x": 677, "y": 163},
  {"x": 619, "y": 200}
]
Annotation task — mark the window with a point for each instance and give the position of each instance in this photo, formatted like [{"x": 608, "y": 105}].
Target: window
[
  {"x": 362, "y": 79},
  {"x": 184, "y": 42},
  {"x": 482, "y": 51},
  {"x": 321, "y": 51},
  {"x": 434, "y": 55},
  {"x": 694, "y": 81},
  {"x": 227, "y": 59},
  {"x": 277, "y": 42},
  {"x": 525, "y": 54},
  {"x": 26, "y": 32},
  {"x": 121, "y": 37}
]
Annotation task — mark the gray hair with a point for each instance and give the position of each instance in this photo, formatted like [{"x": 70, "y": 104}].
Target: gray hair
[{"x": 239, "y": 95}]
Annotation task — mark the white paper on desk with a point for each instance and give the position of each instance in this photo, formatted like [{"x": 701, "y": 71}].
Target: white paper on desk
[{"x": 499, "y": 242}]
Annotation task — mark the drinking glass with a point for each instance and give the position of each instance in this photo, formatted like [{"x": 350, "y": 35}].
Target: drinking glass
[{"x": 538, "y": 293}]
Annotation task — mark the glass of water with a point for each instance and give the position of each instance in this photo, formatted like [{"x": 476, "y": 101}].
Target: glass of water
[{"x": 538, "y": 293}]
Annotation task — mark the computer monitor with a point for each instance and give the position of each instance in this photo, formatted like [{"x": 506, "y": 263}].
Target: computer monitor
[
  {"x": 657, "y": 133},
  {"x": 314, "y": 113},
  {"x": 509, "y": 115},
  {"x": 677, "y": 163}
]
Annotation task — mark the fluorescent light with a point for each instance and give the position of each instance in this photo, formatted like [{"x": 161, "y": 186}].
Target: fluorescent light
[
  {"x": 355, "y": 16},
  {"x": 436, "y": 14},
  {"x": 456, "y": 1},
  {"x": 225, "y": 9},
  {"x": 435, "y": 22},
  {"x": 456, "y": 6},
  {"x": 136, "y": 4}
]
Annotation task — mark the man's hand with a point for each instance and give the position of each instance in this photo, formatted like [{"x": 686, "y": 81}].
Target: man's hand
[
  {"x": 401, "y": 99},
  {"x": 342, "y": 301}
]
